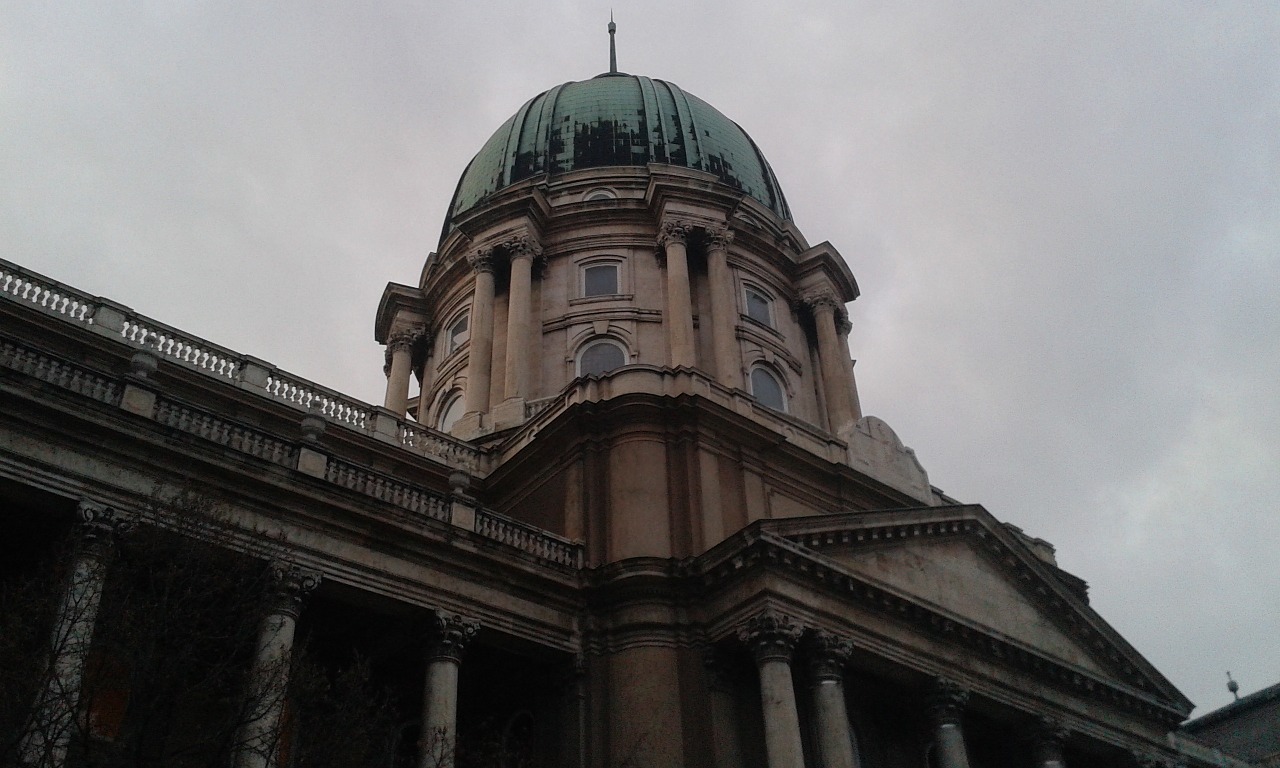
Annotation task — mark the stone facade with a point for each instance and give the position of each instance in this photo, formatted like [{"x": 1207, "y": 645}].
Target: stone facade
[{"x": 701, "y": 570}]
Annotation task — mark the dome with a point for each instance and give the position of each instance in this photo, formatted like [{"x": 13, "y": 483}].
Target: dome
[{"x": 614, "y": 120}]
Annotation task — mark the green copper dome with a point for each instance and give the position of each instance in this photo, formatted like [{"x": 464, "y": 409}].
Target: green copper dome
[{"x": 617, "y": 120}]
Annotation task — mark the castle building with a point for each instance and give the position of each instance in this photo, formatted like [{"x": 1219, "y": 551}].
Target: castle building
[{"x": 621, "y": 489}]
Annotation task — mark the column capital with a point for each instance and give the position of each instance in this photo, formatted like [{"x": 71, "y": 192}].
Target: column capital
[
  {"x": 448, "y": 635},
  {"x": 821, "y": 300},
  {"x": 674, "y": 231},
  {"x": 843, "y": 326},
  {"x": 1049, "y": 737},
  {"x": 290, "y": 583},
  {"x": 100, "y": 521},
  {"x": 482, "y": 260},
  {"x": 828, "y": 655},
  {"x": 771, "y": 636},
  {"x": 403, "y": 339},
  {"x": 946, "y": 701},
  {"x": 719, "y": 238},
  {"x": 521, "y": 247}
]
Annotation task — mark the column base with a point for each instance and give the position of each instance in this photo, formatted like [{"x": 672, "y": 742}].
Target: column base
[{"x": 510, "y": 413}]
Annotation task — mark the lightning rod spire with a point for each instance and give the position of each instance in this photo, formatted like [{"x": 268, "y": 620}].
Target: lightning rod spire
[{"x": 613, "y": 49}]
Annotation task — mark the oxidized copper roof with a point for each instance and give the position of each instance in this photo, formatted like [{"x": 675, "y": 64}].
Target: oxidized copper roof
[{"x": 617, "y": 120}]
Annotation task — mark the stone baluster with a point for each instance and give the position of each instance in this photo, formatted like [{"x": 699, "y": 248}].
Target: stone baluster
[
  {"x": 828, "y": 655},
  {"x": 53, "y": 714},
  {"x": 523, "y": 253},
  {"x": 772, "y": 638},
  {"x": 263, "y": 726},
  {"x": 723, "y": 711},
  {"x": 946, "y": 707},
  {"x": 674, "y": 242},
  {"x": 1050, "y": 736},
  {"x": 824, "y": 306},
  {"x": 447, "y": 639},
  {"x": 480, "y": 357},
  {"x": 855, "y": 402},
  {"x": 399, "y": 367},
  {"x": 723, "y": 310}
]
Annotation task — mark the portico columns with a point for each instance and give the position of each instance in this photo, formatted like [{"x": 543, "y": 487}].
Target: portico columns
[
  {"x": 728, "y": 359},
  {"x": 53, "y": 714},
  {"x": 772, "y": 638},
  {"x": 824, "y": 306},
  {"x": 448, "y": 637},
  {"x": 522, "y": 252},
  {"x": 724, "y": 735},
  {"x": 679, "y": 319},
  {"x": 480, "y": 357},
  {"x": 399, "y": 366},
  {"x": 828, "y": 655},
  {"x": 1049, "y": 739},
  {"x": 946, "y": 705},
  {"x": 262, "y": 730}
]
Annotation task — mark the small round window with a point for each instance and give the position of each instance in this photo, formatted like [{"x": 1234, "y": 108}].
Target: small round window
[
  {"x": 767, "y": 390},
  {"x": 601, "y": 357}
]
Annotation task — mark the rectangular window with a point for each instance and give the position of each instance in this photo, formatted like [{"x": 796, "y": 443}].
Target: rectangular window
[
  {"x": 600, "y": 280},
  {"x": 759, "y": 307}
]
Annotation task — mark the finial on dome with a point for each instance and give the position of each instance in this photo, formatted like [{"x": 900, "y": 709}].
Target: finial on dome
[
  {"x": 1233, "y": 686},
  {"x": 613, "y": 49}
]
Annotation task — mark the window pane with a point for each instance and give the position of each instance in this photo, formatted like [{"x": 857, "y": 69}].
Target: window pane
[
  {"x": 758, "y": 307},
  {"x": 600, "y": 280},
  {"x": 458, "y": 333},
  {"x": 767, "y": 390},
  {"x": 452, "y": 412},
  {"x": 601, "y": 358}
]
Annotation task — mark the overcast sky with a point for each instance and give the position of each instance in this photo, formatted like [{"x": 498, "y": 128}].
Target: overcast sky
[{"x": 1064, "y": 217}]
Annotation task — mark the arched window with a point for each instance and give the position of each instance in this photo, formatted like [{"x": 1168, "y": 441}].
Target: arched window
[
  {"x": 601, "y": 356},
  {"x": 451, "y": 411},
  {"x": 600, "y": 194},
  {"x": 759, "y": 305},
  {"x": 458, "y": 333},
  {"x": 767, "y": 389}
]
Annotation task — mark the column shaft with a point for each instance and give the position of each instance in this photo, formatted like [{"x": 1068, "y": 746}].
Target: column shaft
[
  {"x": 399, "y": 370},
  {"x": 480, "y": 356},
  {"x": 679, "y": 301},
  {"x": 833, "y": 382},
  {"x": 723, "y": 312},
  {"x": 781, "y": 719},
  {"x": 851, "y": 381},
  {"x": 448, "y": 637},
  {"x": 946, "y": 704},
  {"x": 53, "y": 720},
  {"x": 519, "y": 310},
  {"x": 835, "y": 743}
]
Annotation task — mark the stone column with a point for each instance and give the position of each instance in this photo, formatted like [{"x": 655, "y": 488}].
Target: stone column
[
  {"x": 723, "y": 310},
  {"x": 828, "y": 655},
  {"x": 447, "y": 639},
  {"x": 262, "y": 728},
  {"x": 772, "y": 638},
  {"x": 399, "y": 366},
  {"x": 523, "y": 253},
  {"x": 723, "y": 711},
  {"x": 824, "y": 306},
  {"x": 1050, "y": 736},
  {"x": 844, "y": 327},
  {"x": 480, "y": 356},
  {"x": 53, "y": 718},
  {"x": 946, "y": 705},
  {"x": 674, "y": 240}
]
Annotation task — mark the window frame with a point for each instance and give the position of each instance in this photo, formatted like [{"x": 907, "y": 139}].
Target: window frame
[
  {"x": 748, "y": 289},
  {"x": 455, "y": 397},
  {"x": 597, "y": 341},
  {"x": 586, "y": 267},
  {"x": 451, "y": 342},
  {"x": 776, "y": 378}
]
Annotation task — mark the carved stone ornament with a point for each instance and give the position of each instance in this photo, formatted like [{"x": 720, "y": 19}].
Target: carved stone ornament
[
  {"x": 719, "y": 238},
  {"x": 771, "y": 636},
  {"x": 674, "y": 232},
  {"x": 818, "y": 301},
  {"x": 947, "y": 700},
  {"x": 521, "y": 246},
  {"x": 1050, "y": 735},
  {"x": 143, "y": 363},
  {"x": 290, "y": 583},
  {"x": 843, "y": 326},
  {"x": 100, "y": 522},
  {"x": 403, "y": 340},
  {"x": 828, "y": 655},
  {"x": 448, "y": 636},
  {"x": 482, "y": 260}
]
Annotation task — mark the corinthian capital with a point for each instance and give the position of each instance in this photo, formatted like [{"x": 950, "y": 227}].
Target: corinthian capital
[
  {"x": 719, "y": 238},
  {"x": 448, "y": 636},
  {"x": 290, "y": 583},
  {"x": 403, "y": 340},
  {"x": 828, "y": 654},
  {"x": 482, "y": 260},
  {"x": 771, "y": 636},
  {"x": 674, "y": 232},
  {"x": 820, "y": 300},
  {"x": 100, "y": 522},
  {"x": 521, "y": 246},
  {"x": 947, "y": 700}
]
